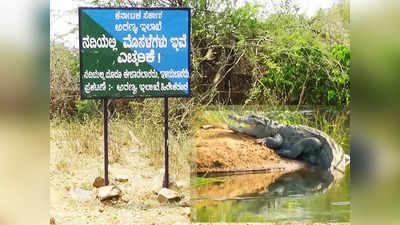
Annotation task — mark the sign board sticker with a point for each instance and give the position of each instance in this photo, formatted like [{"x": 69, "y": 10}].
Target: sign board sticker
[{"x": 134, "y": 52}]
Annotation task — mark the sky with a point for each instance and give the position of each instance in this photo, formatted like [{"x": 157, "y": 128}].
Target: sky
[{"x": 64, "y": 16}]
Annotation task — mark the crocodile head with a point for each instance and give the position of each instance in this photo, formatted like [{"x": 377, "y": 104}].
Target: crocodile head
[{"x": 271, "y": 126}]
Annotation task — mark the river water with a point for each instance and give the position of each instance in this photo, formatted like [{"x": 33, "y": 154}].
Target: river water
[
  {"x": 306, "y": 195},
  {"x": 297, "y": 196}
]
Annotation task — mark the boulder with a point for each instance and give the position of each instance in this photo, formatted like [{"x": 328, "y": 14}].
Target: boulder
[
  {"x": 168, "y": 195},
  {"x": 108, "y": 192}
]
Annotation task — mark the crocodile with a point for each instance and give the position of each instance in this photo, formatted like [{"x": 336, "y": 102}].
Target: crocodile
[{"x": 294, "y": 141}]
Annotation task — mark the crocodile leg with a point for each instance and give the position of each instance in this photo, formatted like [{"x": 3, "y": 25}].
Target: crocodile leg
[
  {"x": 305, "y": 148},
  {"x": 309, "y": 149},
  {"x": 274, "y": 142}
]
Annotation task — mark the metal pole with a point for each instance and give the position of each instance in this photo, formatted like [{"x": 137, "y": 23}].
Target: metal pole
[
  {"x": 105, "y": 113},
  {"x": 166, "y": 174}
]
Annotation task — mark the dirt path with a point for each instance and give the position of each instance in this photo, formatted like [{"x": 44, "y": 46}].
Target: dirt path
[
  {"x": 138, "y": 204},
  {"x": 222, "y": 150}
]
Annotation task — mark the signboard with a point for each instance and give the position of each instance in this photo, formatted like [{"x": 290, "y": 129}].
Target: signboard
[{"x": 134, "y": 52}]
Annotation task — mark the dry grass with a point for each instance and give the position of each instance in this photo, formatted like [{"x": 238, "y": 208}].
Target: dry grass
[{"x": 82, "y": 140}]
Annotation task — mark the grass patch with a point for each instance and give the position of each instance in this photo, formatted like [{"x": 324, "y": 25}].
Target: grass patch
[
  {"x": 79, "y": 142},
  {"x": 200, "y": 181}
]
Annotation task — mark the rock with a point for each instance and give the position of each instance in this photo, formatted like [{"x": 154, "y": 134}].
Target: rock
[
  {"x": 172, "y": 185},
  {"x": 52, "y": 221},
  {"x": 184, "y": 203},
  {"x": 207, "y": 127},
  {"x": 98, "y": 182},
  {"x": 133, "y": 150},
  {"x": 121, "y": 178},
  {"x": 181, "y": 184},
  {"x": 260, "y": 141},
  {"x": 80, "y": 194},
  {"x": 107, "y": 192},
  {"x": 125, "y": 200},
  {"x": 186, "y": 212},
  {"x": 168, "y": 195},
  {"x": 177, "y": 185},
  {"x": 101, "y": 209}
]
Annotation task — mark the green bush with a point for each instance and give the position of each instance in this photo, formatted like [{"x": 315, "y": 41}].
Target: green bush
[
  {"x": 87, "y": 108},
  {"x": 240, "y": 55}
]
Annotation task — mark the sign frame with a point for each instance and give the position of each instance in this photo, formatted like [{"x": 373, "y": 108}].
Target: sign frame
[{"x": 189, "y": 95}]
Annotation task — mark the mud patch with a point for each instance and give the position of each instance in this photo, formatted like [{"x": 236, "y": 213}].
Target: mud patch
[{"x": 221, "y": 150}]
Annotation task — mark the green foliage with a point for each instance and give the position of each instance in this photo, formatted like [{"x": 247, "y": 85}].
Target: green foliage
[
  {"x": 240, "y": 55},
  {"x": 283, "y": 59},
  {"x": 308, "y": 74},
  {"x": 86, "y": 108}
]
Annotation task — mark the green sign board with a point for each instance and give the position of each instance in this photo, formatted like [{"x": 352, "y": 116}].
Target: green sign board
[{"x": 134, "y": 52}]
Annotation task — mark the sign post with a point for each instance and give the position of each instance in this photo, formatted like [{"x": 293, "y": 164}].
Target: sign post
[
  {"x": 166, "y": 160},
  {"x": 134, "y": 53},
  {"x": 105, "y": 114}
]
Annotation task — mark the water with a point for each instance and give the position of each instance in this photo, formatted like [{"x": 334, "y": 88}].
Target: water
[
  {"x": 307, "y": 195},
  {"x": 301, "y": 196}
]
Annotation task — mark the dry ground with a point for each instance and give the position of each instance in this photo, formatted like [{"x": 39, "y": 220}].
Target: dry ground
[
  {"x": 138, "y": 204},
  {"x": 76, "y": 160}
]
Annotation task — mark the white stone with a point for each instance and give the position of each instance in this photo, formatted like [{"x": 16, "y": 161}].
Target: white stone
[
  {"x": 121, "y": 178},
  {"x": 168, "y": 195},
  {"x": 186, "y": 211},
  {"x": 181, "y": 184},
  {"x": 107, "y": 192},
  {"x": 207, "y": 127},
  {"x": 133, "y": 150}
]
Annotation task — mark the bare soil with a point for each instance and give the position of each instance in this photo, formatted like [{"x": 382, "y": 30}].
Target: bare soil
[
  {"x": 137, "y": 205},
  {"x": 222, "y": 150}
]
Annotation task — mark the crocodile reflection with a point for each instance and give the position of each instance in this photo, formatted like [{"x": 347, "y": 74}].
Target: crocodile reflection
[
  {"x": 301, "y": 182},
  {"x": 304, "y": 181}
]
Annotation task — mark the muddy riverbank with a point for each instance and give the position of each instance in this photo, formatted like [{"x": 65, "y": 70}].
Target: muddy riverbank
[{"x": 220, "y": 150}]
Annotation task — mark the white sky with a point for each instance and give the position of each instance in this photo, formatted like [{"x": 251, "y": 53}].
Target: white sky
[
  {"x": 19, "y": 22},
  {"x": 64, "y": 15}
]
